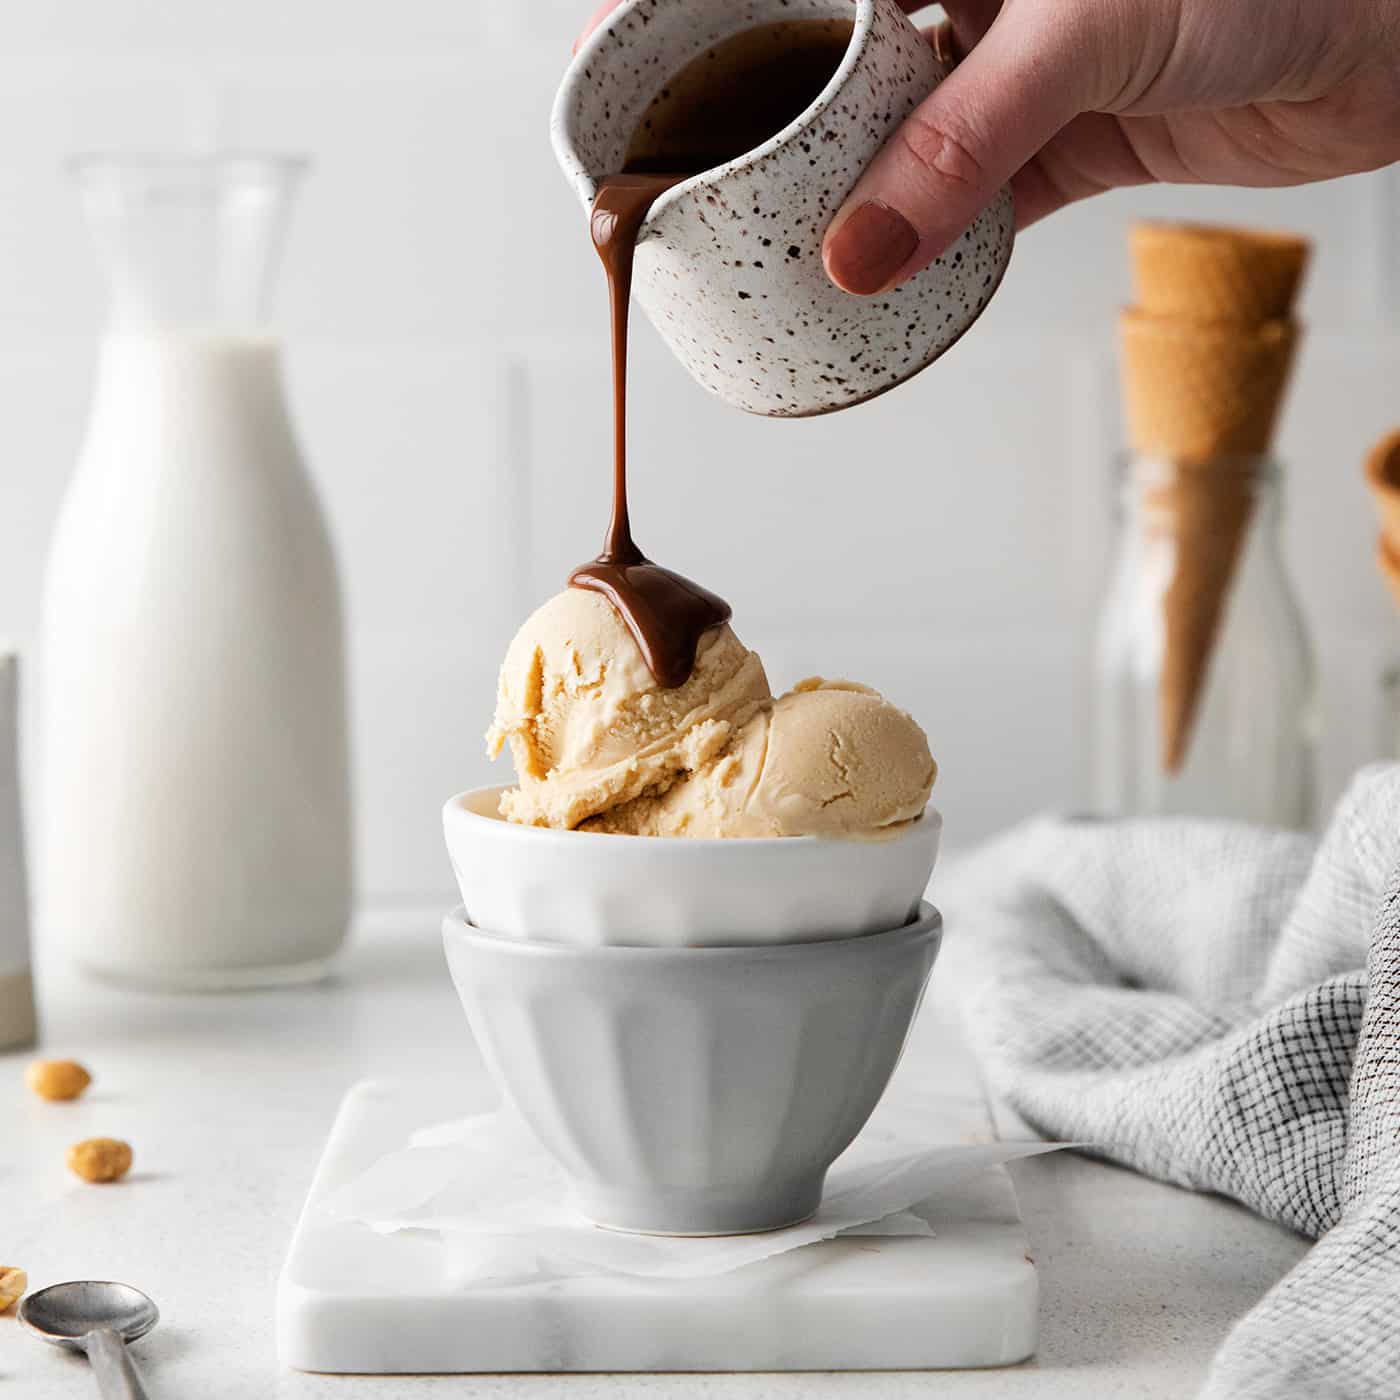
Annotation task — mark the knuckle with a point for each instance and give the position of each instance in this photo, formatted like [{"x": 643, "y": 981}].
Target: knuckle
[{"x": 941, "y": 154}]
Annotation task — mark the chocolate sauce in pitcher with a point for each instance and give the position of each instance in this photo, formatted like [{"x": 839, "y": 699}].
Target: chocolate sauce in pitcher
[{"x": 724, "y": 103}]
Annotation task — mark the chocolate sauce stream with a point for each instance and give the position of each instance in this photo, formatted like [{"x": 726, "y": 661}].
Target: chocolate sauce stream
[
  {"x": 666, "y": 613},
  {"x": 725, "y": 102}
]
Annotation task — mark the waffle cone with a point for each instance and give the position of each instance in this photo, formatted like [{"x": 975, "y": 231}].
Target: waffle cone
[
  {"x": 1206, "y": 512},
  {"x": 1383, "y": 477},
  {"x": 1207, "y": 274},
  {"x": 1388, "y": 556},
  {"x": 1198, "y": 393}
]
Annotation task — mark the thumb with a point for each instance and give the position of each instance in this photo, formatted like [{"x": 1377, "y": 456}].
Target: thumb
[{"x": 1011, "y": 95}]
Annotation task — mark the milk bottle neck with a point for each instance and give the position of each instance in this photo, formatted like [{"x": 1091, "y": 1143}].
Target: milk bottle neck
[{"x": 188, "y": 244}]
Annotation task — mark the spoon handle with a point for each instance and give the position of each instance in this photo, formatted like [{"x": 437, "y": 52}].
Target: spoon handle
[{"x": 116, "y": 1375}]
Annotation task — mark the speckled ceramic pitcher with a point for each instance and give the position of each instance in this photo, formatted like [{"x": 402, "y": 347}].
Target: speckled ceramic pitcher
[{"x": 729, "y": 264}]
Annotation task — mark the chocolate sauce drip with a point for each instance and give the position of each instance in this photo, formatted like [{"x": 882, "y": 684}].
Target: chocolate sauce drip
[
  {"x": 666, "y": 613},
  {"x": 721, "y": 105}
]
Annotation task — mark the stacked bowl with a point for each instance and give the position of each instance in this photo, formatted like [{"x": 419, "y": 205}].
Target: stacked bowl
[{"x": 694, "y": 1029}]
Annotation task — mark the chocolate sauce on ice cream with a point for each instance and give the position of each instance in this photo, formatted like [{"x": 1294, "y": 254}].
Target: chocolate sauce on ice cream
[{"x": 724, "y": 103}]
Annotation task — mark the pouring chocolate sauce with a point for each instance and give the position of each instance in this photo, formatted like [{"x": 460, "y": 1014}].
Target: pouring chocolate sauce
[
  {"x": 666, "y": 613},
  {"x": 726, "y": 102}
]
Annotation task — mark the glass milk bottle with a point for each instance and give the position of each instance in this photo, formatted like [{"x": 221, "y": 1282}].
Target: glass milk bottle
[
  {"x": 1205, "y": 699},
  {"x": 194, "y": 813}
]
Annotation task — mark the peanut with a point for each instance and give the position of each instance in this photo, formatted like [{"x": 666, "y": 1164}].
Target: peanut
[
  {"x": 13, "y": 1282},
  {"x": 100, "y": 1159},
  {"x": 57, "y": 1079}
]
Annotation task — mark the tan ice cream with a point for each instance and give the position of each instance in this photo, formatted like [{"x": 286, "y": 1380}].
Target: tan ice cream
[
  {"x": 830, "y": 758},
  {"x": 587, "y": 724},
  {"x": 597, "y": 744}
]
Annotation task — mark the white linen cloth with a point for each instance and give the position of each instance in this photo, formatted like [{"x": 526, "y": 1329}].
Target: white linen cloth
[{"x": 1219, "y": 1007}]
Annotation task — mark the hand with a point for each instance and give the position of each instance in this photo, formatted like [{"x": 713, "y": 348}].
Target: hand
[{"x": 1067, "y": 98}]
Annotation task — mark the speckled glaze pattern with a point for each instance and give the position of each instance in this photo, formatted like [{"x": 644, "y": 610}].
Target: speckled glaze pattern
[{"x": 729, "y": 264}]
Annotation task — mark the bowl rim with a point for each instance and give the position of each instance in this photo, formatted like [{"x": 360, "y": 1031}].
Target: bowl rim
[
  {"x": 456, "y": 811},
  {"x": 457, "y": 928}
]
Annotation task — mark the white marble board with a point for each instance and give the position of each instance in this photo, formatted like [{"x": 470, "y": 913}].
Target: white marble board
[{"x": 352, "y": 1301}]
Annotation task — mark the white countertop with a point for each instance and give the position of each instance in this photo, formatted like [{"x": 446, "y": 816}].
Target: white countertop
[{"x": 227, "y": 1101}]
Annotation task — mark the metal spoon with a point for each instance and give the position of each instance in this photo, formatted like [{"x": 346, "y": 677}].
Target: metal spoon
[{"x": 99, "y": 1319}]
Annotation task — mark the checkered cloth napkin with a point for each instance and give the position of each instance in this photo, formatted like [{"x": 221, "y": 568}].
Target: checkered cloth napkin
[{"x": 1219, "y": 1007}]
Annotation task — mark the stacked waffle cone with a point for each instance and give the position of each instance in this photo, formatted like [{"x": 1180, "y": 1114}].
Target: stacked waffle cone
[
  {"x": 1383, "y": 475},
  {"x": 1201, "y": 273},
  {"x": 1207, "y": 351}
]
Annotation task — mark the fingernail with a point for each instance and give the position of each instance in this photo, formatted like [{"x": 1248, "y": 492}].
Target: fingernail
[{"x": 870, "y": 247}]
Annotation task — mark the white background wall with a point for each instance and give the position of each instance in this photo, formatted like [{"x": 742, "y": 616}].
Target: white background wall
[{"x": 444, "y": 319}]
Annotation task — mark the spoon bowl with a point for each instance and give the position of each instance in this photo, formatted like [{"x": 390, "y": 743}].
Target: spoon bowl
[
  {"x": 97, "y": 1319},
  {"x": 66, "y": 1313}
]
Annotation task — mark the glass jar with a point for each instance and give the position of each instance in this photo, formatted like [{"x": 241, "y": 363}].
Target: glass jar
[
  {"x": 1205, "y": 692},
  {"x": 1388, "y": 739}
]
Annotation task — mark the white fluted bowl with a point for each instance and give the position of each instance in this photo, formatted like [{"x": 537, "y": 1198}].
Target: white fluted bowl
[
  {"x": 694, "y": 1091},
  {"x": 589, "y": 888}
]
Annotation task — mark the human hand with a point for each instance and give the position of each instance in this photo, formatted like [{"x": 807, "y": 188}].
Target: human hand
[{"x": 1067, "y": 98}]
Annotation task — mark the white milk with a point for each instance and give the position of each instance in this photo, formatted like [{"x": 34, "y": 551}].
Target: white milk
[{"x": 194, "y": 815}]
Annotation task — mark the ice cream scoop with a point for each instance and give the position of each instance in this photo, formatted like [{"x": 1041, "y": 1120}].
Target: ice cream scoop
[
  {"x": 598, "y": 744},
  {"x": 830, "y": 758},
  {"x": 587, "y": 724}
]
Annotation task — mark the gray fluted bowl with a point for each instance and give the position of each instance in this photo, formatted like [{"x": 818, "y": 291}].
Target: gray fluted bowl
[{"x": 694, "y": 1091}]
